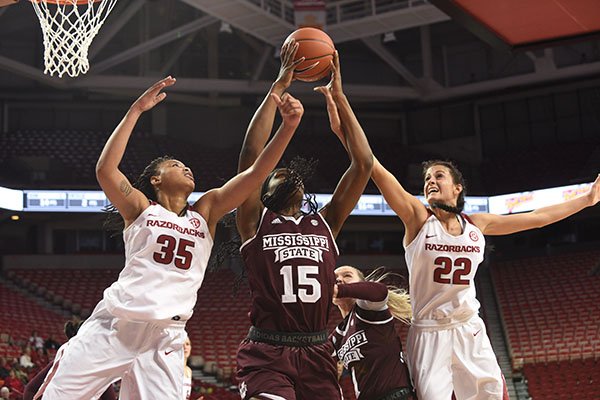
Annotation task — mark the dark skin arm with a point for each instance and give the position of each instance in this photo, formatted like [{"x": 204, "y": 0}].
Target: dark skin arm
[
  {"x": 257, "y": 135},
  {"x": 353, "y": 182}
]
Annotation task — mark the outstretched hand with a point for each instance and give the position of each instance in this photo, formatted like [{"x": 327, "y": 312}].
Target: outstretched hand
[
  {"x": 334, "y": 86},
  {"x": 335, "y": 122},
  {"x": 290, "y": 108},
  {"x": 594, "y": 192},
  {"x": 335, "y": 83},
  {"x": 288, "y": 65},
  {"x": 153, "y": 95}
]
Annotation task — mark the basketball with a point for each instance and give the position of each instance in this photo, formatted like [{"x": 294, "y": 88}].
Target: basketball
[{"x": 318, "y": 48}]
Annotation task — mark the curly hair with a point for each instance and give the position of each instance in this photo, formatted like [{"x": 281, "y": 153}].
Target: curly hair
[
  {"x": 114, "y": 221},
  {"x": 457, "y": 179},
  {"x": 298, "y": 172}
]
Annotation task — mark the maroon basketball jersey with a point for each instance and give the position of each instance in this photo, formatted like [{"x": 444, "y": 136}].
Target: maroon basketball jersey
[
  {"x": 290, "y": 264},
  {"x": 368, "y": 345}
]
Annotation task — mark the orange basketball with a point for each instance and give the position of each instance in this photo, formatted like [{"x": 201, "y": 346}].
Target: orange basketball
[{"x": 317, "y": 47}]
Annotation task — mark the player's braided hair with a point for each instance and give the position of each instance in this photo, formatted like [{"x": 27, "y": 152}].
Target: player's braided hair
[
  {"x": 398, "y": 299},
  {"x": 457, "y": 178},
  {"x": 114, "y": 221},
  {"x": 71, "y": 328},
  {"x": 299, "y": 171}
]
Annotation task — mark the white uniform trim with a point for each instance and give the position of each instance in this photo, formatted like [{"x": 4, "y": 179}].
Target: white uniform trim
[{"x": 374, "y": 322}]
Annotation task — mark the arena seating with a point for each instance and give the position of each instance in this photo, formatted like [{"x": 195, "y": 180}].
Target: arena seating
[
  {"x": 551, "y": 307},
  {"x": 564, "y": 380},
  {"x": 20, "y": 316},
  {"x": 79, "y": 293}
]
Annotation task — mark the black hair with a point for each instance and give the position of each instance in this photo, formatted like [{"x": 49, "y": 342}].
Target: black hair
[
  {"x": 298, "y": 172},
  {"x": 71, "y": 328},
  {"x": 114, "y": 221},
  {"x": 457, "y": 178}
]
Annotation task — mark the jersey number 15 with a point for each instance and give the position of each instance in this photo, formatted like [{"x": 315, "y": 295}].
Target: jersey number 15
[{"x": 304, "y": 279}]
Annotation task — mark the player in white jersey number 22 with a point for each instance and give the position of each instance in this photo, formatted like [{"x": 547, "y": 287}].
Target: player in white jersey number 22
[{"x": 448, "y": 348}]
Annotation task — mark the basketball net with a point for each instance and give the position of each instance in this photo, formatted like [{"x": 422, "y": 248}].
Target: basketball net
[{"x": 69, "y": 26}]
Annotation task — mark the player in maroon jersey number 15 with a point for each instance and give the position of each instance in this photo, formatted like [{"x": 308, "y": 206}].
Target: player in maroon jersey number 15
[{"x": 289, "y": 256}]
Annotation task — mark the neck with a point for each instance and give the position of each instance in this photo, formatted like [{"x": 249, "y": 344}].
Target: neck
[
  {"x": 293, "y": 211},
  {"x": 443, "y": 215},
  {"x": 345, "y": 306},
  {"x": 173, "y": 203}
]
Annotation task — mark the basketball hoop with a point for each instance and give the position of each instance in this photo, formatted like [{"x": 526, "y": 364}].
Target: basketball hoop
[{"x": 69, "y": 26}]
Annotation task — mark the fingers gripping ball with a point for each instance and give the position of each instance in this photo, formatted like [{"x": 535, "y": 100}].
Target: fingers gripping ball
[{"x": 317, "y": 48}]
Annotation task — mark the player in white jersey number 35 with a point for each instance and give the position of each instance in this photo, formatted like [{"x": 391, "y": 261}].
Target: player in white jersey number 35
[{"x": 136, "y": 332}]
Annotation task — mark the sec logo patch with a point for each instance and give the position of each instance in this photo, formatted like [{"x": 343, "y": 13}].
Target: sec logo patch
[
  {"x": 474, "y": 236},
  {"x": 195, "y": 222}
]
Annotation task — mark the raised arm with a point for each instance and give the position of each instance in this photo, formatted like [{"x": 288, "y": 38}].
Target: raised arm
[
  {"x": 410, "y": 210},
  {"x": 217, "y": 202},
  {"x": 257, "y": 135},
  {"x": 353, "y": 182},
  {"x": 491, "y": 224},
  {"x": 129, "y": 201}
]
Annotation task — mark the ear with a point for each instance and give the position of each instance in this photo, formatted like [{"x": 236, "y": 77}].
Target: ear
[
  {"x": 458, "y": 188},
  {"x": 155, "y": 180}
]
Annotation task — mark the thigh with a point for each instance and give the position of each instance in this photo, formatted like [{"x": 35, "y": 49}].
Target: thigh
[
  {"x": 317, "y": 373},
  {"x": 265, "y": 371},
  {"x": 429, "y": 356},
  {"x": 477, "y": 375},
  {"x": 87, "y": 364},
  {"x": 158, "y": 370}
]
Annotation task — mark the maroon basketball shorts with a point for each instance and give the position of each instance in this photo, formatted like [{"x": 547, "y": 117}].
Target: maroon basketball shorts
[{"x": 287, "y": 372}]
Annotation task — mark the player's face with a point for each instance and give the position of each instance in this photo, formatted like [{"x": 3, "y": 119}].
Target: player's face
[
  {"x": 345, "y": 275},
  {"x": 187, "y": 348},
  {"x": 439, "y": 186},
  {"x": 174, "y": 173},
  {"x": 278, "y": 178}
]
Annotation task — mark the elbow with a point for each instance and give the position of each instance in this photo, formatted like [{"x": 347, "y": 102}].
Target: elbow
[
  {"x": 364, "y": 165},
  {"x": 248, "y": 155},
  {"x": 100, "y": 169}
]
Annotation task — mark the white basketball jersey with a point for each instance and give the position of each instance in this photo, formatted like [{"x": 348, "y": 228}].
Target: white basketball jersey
[
  {"x": 165, "y": 260},
  {"x": 441, "y": 270}
]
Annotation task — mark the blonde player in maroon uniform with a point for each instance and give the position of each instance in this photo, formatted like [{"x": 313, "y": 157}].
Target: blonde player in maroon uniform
[
  {"x": 366, "y": 340},
  {"x": 290, "y": 257},
  {"x": 448, "y": 347},
  {"x": 136, "y": 332}
]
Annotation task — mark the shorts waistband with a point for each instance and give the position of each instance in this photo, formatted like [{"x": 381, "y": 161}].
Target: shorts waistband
[
  {"x": 292, "y": 339},
  {"x": 442, "y": 323},
  {"x": 175, "y": 322},
  {"x": 398, "y": 394}
]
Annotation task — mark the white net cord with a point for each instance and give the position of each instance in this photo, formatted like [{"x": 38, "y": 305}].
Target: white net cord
[{"x": 68, "y": 31}]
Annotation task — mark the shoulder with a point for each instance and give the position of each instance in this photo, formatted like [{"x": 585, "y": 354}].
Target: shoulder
[{"x": 480, "y": 220}]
